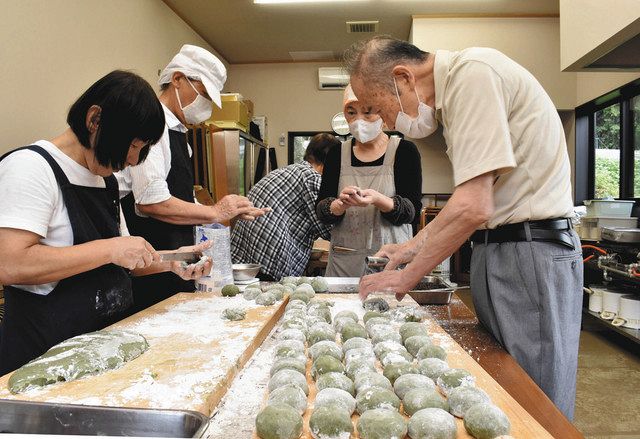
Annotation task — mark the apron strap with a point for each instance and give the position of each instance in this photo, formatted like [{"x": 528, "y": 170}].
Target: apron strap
[
  {"x": 392, "y": 148},
  {"x": 345, "y": 154},
  {"x": 61, "y": 178}
]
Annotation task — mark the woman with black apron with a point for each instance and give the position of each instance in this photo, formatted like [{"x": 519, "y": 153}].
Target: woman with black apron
[{"x": 65, "y": 266}]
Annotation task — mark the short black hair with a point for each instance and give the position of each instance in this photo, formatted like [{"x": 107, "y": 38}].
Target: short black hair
[
  {"x": 130, "y": 110},
  {"x": 319, "y": 146}
]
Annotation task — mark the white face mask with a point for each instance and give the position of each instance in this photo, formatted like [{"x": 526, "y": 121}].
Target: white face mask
[
  {"x": 365, "y": 131},
  {"x": 197, "y": 111},
  {"x": 422, "y": 126}
]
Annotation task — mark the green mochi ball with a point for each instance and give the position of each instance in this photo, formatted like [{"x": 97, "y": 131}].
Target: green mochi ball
[
  {"x": 230, "y": 290},
  {"x": 395, "y": 370},
  {"x": 432, "y": 367},
  {"x": 320, "y": 285},
  {"x": 297, "y": 364},
  {"x": 279, "y": 421},
  {"x": 351, "y": 330},
  {"x": 376, "y": 398},
  {"x": 335, "y": 380},
  {"x": 414, "y": 343},
  {"x": 432, "y": 423},
  {"x": 486, "y": 421},
  {"x": 453, "y": 378},
  {"x": 325, "y": 364},
  {"x": 382, "y": 424},
  {"x": 431, "y": 351},
  {"x": 330, "y": 422},
  {"x": 418, "y": 399}
]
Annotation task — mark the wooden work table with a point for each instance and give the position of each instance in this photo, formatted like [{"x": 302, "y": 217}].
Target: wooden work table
[{"x": 463, "y": 326}]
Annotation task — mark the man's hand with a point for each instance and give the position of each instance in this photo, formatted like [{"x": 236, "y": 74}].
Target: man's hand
[
  {"x": 397, "y": 254},
  {"x": 388, "y": 281},
  {"x": 232, "y": 206}
]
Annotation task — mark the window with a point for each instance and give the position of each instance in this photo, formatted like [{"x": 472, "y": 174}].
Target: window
[
  {"x": 607, "y": 153},
  {"x": 608, "y": 145}
]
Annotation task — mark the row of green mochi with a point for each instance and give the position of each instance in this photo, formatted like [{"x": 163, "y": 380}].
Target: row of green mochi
[{"x": 342, "y": 372}]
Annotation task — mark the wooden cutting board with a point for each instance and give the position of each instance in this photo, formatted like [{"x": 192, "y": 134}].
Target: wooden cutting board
[
  {"x": 523, "y": 425},
  {"x": 193, "y": 357}
]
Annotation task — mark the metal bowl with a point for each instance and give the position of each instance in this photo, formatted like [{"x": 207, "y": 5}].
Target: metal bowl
[{"x": 245, "y": 271}]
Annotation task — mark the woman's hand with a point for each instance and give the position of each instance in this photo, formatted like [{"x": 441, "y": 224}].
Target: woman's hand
[
  {"x": 352, "y": 196},
  {"x": 337, "y": 207},
  {"x": 132, "y": 252},
  {"x": 193, "y": 271}
]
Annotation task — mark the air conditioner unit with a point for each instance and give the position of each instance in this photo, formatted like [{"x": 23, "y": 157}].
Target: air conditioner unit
[{"x": 332, "y": 78}]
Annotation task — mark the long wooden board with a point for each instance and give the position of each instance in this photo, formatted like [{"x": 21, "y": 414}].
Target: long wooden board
[
  {"x": 192, "y": 359},
  {"x": 523, "y": 425}
]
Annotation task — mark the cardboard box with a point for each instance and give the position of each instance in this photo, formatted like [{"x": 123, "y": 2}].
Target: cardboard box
[
  {"x": 231, "y": 113},
  {"x": 249, "y": 105}
]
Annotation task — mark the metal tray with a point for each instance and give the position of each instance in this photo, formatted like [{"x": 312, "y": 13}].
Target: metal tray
[
  {"x": 433, "y": 290},
  {"x": 24, "y": 417},
  {"x": 616, "y": 234}
]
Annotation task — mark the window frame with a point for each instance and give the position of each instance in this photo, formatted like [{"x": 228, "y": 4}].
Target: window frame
[{"x": 585, "y": 142}]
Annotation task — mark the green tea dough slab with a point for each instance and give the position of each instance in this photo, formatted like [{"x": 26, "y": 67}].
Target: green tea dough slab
[{"x": 86, "y": 354}]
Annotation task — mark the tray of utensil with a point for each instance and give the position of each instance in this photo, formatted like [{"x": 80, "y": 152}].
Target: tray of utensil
[{"x": 434, "y": 290}]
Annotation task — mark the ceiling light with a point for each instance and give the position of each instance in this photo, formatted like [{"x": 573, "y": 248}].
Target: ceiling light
[{"x": 272, "y": 2}]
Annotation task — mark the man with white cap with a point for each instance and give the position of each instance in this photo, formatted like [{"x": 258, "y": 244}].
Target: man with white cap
[{"x": 161, "y": 205}]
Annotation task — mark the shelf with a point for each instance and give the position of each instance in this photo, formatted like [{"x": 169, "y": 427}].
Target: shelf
[{"x": 631, "y": 334}]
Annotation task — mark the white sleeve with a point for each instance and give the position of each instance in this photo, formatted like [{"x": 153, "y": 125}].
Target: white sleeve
[
  {"x": 124, "y": 182},
  {"x": 29, "y": 192},
  {"x": 149, "y": 178},
  {"x": 124, "y": 231}
]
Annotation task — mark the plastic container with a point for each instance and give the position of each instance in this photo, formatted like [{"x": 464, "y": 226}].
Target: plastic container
[
  {"x": 609, "y": 208},
  {"x": 220, "y": 253},
  {"x": 591, "y": 228}
]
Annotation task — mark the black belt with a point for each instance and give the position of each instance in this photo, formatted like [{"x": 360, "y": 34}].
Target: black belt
[{"x": 552, "y": 230}]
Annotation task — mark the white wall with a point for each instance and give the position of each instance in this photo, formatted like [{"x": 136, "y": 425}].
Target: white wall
[
  {"x": 287, "y": 93},
  {"x": 532, "y": 42},
  {"x": 591, "y": 28},
  {"x": 591, "y": 85},
  {"x": 53, "y": 50}
]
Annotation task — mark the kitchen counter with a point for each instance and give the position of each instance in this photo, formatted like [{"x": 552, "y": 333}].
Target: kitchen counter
[{"x": 463, "y": 326}]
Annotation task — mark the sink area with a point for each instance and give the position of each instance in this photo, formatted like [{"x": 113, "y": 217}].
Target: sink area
[{"x": 47, "y": 418}]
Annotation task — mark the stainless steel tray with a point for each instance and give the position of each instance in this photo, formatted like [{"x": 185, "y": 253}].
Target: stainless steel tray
[
  {"x": 433, "y": 290},
  {"x": 617, "y": 234},
  {"x": 25, "y": 417}
]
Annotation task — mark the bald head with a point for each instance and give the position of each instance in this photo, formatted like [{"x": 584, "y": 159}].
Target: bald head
[{"x": 373, "y": 60}]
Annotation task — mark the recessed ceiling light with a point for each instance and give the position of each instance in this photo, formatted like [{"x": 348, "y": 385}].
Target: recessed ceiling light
[{"x": 273, "y": 2}]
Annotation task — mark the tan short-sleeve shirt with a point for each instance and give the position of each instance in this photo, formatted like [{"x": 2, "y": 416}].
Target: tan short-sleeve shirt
[{"x": 497, "y": 118}]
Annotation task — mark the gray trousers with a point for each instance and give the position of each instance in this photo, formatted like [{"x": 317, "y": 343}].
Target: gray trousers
[{"x": 529, "y": 296}]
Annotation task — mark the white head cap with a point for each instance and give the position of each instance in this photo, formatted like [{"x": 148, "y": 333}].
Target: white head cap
[{"x": 198, "y": 63}]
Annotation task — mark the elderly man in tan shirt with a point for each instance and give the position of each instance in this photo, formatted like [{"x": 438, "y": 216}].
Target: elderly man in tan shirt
[{"x": 512, "y": 196}]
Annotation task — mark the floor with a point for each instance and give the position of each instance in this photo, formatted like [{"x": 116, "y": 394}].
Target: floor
[{"x": 608, "y": 388}]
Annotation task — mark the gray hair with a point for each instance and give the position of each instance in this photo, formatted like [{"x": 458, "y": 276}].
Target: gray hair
[{"x": 374, "y": 59}]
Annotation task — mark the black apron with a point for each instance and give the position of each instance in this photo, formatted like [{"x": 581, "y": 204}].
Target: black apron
[
  {"x": 149, "y": 290},
  {"x": 78, "y": 304}
]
